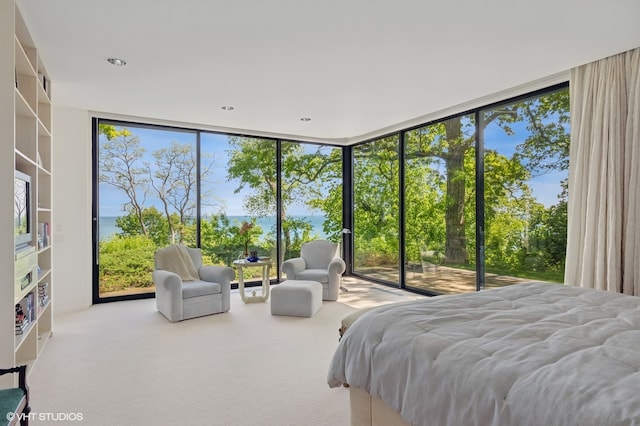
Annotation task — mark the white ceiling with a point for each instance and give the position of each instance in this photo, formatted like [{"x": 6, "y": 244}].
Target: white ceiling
[{"x": 357, "y": 68}]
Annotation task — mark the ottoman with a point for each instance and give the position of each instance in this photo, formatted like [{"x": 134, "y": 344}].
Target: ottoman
[{"x": 296, "y": 298}]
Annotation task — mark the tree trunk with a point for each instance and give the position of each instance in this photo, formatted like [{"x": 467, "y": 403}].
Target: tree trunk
[
  {"x": 143, "y": 226},
  {"x": 456, "y": 242}
]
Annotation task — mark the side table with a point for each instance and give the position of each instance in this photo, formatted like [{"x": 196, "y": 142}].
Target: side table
[{"x": 266, "y": 268}]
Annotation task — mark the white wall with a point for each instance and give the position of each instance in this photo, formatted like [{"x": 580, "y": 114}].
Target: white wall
[
  {"x": 7, "y": 90},
  {"x": 71, "y": 223}
]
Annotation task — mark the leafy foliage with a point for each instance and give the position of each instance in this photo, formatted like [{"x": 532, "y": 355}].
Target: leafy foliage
[
  {"x": 307, "y": 178},
  {"x": 126, "y": 262},
  {"x": 376, "y": 208}
]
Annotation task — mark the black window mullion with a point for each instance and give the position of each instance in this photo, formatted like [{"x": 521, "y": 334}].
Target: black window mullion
[
  {"x": 278, "y": 206},
  {"x": 347, "y": 207},
  {"x": 198, "y": 191},
  {"x": 401, "y": 209},
  {"x": 480, "y": 270}
]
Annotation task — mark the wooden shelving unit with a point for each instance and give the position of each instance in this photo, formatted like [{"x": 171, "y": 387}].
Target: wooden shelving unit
[{"x": 32, "y": 148}]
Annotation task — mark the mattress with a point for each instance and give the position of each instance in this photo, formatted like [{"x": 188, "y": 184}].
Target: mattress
[{"x": 527, "y": 354}]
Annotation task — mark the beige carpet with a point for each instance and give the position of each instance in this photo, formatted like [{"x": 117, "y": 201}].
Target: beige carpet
[{"x": 123, "y": 363}]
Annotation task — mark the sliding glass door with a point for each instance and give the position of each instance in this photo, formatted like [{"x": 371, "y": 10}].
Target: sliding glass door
[
  {"x": 526, "y": 160},
  {"x": 376, "y": 217},
  {"x": 482, "y": 197},
  {"x": 502, "y": 220},
  {"x": 439, "y": 214}
]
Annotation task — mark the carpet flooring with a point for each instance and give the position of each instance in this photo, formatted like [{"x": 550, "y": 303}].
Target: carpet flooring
[{"x": 123, "y": 363}]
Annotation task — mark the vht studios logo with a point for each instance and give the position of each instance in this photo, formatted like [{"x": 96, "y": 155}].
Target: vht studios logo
[{"x": 51, "y": 417}]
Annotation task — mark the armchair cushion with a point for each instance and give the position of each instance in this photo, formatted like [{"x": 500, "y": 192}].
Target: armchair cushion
[
  {"x": 199, "y": 288},
  {"x": 11, "y": 401},
  {"x": 15, "y": 401},
  {"x": 320, "y": 275}
]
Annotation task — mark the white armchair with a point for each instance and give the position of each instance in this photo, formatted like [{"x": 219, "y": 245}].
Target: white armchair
[
  {"x": 207, "y": 292},
  {"x": 319, "y": 261}
]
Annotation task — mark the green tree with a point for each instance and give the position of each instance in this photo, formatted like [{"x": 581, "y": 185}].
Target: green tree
[
  {"x": 218, "y": 239},
  {"x": 158, "y": 227},
  {"x": 449, "y": 143},
  {"x": 376, "y": 208},
  {"x": 252, "y": 162},
  {"x": 544, "y": 150},
  {"x": 120, "y": 166},
  {"x": 542, "y": 241},
  {"x": 172, "y": 179},
  {"x": 424, "y": 207}
]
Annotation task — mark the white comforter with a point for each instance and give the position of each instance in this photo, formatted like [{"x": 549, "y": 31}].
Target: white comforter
[{"x": 527, "y": 354}]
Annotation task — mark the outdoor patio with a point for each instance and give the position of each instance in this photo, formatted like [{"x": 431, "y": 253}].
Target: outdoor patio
[{"x": 439, "y": 279}]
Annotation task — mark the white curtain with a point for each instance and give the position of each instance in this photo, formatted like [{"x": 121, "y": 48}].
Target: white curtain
[{"x": 603, "y": 241}]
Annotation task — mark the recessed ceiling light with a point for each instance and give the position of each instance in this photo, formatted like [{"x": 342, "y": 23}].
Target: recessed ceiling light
[
  {"x": 305, "y": 119},
  {"x": 228, "y": 108},
  {"x": 116, "y": 61}
]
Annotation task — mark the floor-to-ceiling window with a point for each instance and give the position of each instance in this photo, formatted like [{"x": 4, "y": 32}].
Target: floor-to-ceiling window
[
  {"x": 311, "y": 195},
  {"x": 439, "y": 213},
  {"x": 147, "y": 198},
  {"x": 526, "y": 159},
  {"x": 376, "y": 220},
  {"x": 238, "y": 198}
]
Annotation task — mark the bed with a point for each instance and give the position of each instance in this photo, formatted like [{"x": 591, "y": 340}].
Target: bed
[{"x": 527, "y": 354}]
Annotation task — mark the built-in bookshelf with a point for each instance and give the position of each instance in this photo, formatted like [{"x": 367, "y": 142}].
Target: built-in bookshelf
[{"x": 33, "y": 276}]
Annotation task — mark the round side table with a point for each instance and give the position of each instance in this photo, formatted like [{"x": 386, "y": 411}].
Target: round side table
[{"x": 266, "y": 268}]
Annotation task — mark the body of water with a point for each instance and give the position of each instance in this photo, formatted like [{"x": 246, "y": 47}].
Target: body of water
[{"x": 108, "y": 227}]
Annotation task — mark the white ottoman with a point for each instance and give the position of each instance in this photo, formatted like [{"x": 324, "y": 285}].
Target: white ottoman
[{"x": 296, "y": 298}]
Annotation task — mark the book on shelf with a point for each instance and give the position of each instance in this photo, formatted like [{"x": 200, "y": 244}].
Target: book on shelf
[
  {"x": 22, "y": 319},
  {"x": 31, "y": 305},
  {"x": 44, "y": 81},
  {"x": 43, "y": 234},
  {"x": 43, "y": 295},
  {"x": 21, "y": 326}
]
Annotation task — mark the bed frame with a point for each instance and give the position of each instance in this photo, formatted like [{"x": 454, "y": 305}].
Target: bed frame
[
  {"x": 366, "y": 409},
  {"x": 369, "y": 410}
]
